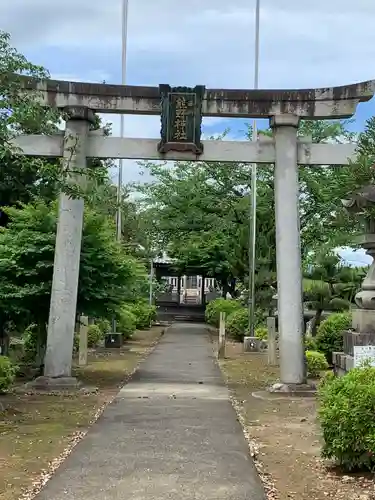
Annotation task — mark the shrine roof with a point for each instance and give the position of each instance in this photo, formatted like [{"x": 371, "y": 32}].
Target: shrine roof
[{"x": 171, "y": 268}]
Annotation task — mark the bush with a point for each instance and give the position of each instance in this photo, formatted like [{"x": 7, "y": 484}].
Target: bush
[
  {"x": 316, "y": 363},
  {"x": 310, "y": 344},
  {"x": 7, "y": 373},
  {"x": 329, "y": 337},
  {"x": 94, "y": 336},
  {"x": 215, "y": 307},
  {"x": 104, "y": 326},
  {"x": 261, "y": 333},
  {"x": 144, "y": 314},
  {"x": 34, "y": 344},
  {"x": 127, "y": 322},
  {"x": 346, "y": 415},
  {"x": 29, "y": 343},
  {"x": 237, "y": 324}
]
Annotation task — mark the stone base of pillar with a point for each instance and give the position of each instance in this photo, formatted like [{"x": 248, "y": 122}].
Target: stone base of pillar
[
  {"x": 50, "y": 384},
  {"x": 295, "y": 390},
  {"x": 363, "y": 320},
  {"x": 286, "y": 391}
]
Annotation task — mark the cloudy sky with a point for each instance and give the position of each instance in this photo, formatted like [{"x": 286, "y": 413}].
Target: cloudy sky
[{"x": 308, "y": 43}]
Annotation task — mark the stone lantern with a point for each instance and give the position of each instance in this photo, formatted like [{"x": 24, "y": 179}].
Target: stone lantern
[
  {"x": 363, "y": 319},
  {"x": 365, "y": 298}
]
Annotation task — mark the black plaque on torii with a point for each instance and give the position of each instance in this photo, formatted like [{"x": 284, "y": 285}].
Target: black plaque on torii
[{"x": 181, "y": 119}]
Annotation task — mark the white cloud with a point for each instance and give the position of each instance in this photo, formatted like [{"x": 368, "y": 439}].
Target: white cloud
[
  {"x": 302, "y": 43},
  {"x": 211, "y": 42}
]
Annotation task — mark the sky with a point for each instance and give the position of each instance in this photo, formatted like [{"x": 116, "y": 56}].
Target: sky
[{"x": 303, "y": 44}]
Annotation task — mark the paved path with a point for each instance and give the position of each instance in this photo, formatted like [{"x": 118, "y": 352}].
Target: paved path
[{"x": 171, "y": 434}]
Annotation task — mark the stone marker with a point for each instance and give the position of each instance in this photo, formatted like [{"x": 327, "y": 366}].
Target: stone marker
[
  {"x": 221, "y": 349},
  {"x": 83, "y": 331},
  {"x": 272, "y": 346}
]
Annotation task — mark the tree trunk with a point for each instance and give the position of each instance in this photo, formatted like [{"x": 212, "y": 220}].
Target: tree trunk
[
  {"x": 41, "y": 345},
  {"x": 226, "y": 289},
  {"x": 4, "y": 338},
  {"x": 232, "y": 287},
  {"x": 316, "y": 322},
  {"x": 4, "y": 343}
]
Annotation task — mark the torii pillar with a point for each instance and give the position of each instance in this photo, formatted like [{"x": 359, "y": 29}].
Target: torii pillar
[
  {"x": 63, "y": 305},
  {"x": 288, "y": 250}
]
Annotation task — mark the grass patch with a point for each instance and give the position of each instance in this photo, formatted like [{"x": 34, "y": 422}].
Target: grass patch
[{"x": 250, "y": 371}]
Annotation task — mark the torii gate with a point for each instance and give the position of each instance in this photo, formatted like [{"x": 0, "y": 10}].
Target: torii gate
[{"x": 181, "y": 110}]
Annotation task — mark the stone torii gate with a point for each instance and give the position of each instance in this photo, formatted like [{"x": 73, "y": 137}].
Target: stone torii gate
[{"x": 181, "y": 110}]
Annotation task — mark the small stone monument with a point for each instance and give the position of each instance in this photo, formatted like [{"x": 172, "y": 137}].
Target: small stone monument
[{"x": 361, "y": 203}]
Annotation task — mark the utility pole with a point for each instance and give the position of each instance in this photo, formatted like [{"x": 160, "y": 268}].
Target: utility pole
[
  {"x": 253, "y": 204},
  {"x": 124, "y": 37}
]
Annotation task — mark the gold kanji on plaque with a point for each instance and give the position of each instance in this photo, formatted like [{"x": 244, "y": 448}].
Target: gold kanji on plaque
[{"x": 181, "y": 119}]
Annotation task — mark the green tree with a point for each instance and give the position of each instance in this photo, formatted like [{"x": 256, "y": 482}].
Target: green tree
[
  {"x": 199, "y": 212},
  {"x": 20, "y": 112},
  {"x": 22, "y": 179},
  {"x": 330, "y": 286},
  {"x": 108, "y": 276}
]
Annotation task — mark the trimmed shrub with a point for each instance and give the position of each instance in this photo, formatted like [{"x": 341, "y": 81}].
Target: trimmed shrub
[
  {"x": 237, "y": 324},
  {"x": 346, "y": 416},
  {"x": 316, "y": 363},
  {"x": 310, "y": 344},
  {"x": 94, "y": 335},
  {"x": 7, "y": 373},
  {"x": 127, "y": 322},
  {"x": 329, "y": 338},
  {"x": 261, "y": 333},
  {"x": 34, "y": 344},
  {"x": 104, "y": 326},
  {"x": 144, "y": 314},
  {"x": 215, "y": 307}
]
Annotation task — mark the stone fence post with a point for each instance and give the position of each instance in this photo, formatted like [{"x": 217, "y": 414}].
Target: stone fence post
[
  {"x": 83, "y": 338},
  {"x": 272, "y": 345},
  {"x": 222, "y": 339}
]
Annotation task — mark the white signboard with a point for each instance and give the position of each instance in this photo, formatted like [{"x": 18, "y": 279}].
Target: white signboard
[{"x": 364, "y": 353}]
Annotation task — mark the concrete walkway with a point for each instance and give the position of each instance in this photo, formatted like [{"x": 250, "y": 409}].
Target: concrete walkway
[{"x": 171, "y": 434}]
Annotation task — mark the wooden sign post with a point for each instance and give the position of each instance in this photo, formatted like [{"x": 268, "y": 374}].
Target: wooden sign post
[{"x": 272, "y": 347}]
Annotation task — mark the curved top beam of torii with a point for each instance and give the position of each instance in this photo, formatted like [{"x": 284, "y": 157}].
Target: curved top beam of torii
[{"x": 320, "y": 103}]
